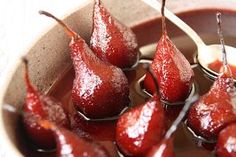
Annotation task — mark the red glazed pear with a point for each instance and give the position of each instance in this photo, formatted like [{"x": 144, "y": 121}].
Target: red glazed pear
[
  {"x": 165, "y": 147},
  {"x": 141, "y": 127},
  {"x": 216, "y": 109},
  {"x": 43, "y": 107},
  {"x": 112, "y": 41},
  {"x": 71, "y": 145},
  {"x": 171, "y": 68},
  {"x": 99, "y": 89},
  {"x": 226, "y": 144}
]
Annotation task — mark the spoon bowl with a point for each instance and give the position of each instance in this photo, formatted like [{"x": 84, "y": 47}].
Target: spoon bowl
[
  {"x": 213, "y": 53},
  {"x": 206, "y": 54}
]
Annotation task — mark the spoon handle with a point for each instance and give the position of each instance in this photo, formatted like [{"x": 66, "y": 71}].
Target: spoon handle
[{"x": 177, "y": 21}]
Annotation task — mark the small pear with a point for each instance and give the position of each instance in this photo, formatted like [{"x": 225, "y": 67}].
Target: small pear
[
  {"x": 141, "y": 127},
  {"x": 171, "y": 68},
  {"x": 112, "y": 41},
  {"x": 44, "y": 107}
]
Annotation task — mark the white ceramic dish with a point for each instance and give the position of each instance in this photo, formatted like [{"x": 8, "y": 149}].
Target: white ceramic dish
[{"x": 54, "y": 45}]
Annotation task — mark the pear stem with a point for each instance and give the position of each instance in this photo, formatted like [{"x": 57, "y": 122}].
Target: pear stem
[
  {"x": 26, "y": 77},
  {"x": 98, "y": 2},
  {"x": 163, "y": 16},
  {"x": 181, "y": 115},
  {"x": 68, "y": 30},
  {"x": 220, "y": 33}
]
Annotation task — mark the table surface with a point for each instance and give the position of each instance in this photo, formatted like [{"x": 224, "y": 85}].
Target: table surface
[{"x": 20, "y": 25}]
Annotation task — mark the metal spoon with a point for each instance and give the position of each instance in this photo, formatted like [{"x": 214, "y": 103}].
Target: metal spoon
[{"x": 206, "y": 53}]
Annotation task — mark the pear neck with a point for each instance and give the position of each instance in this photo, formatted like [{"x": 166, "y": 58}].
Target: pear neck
[
  {"x": 81, "y": 54},
  {"x": 29, "y": 86},
  {"x": 226, "y": 70}
]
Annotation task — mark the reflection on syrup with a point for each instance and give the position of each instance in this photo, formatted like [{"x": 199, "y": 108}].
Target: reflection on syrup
[
  {"x": 216, "y": 66},
  {"x": 96, "y": 130}
]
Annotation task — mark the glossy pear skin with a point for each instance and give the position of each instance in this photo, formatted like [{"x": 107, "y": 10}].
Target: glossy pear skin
[
  {"x": 226, "y": 144},
  {"x": 172, "y": 70},
  {"x": 43, "y": 107},
  {"x": 214, "y": 110},
  {"x": 99, "y": 89},
  {"x": 112, "y": 41},
  {"x": 163, "y": 149},
  {"x": 141, "y": 127}
]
